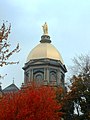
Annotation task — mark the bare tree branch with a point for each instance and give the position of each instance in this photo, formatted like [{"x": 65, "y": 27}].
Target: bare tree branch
[{"x": 5, "y": 53}]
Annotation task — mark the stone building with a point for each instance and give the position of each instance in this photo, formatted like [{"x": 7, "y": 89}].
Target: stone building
[
  {"x": 44, "y": 63},
  {"x": 10, "y": 89}
]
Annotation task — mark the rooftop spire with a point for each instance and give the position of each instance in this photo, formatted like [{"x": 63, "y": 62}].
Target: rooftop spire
[
  {"x": 45, "y": 38},
  {"x": 13, "y": 80}
]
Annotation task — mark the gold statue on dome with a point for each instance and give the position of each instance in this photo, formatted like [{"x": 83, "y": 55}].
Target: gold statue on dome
[{"x": 45, "y": 29}]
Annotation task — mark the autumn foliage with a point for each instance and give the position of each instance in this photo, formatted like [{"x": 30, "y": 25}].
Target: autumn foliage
[{"x": 33, "y": 103}]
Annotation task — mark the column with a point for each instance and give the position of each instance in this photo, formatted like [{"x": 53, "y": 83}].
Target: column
[
  {"x": 25, "y": 78},
  {"x": 47, "y": 75},
  {"x": 31, "y": 76},
  {"x": 58, "y": 77}
]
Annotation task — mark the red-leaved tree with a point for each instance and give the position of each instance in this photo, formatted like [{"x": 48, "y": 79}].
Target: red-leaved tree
[{"x": 33, "y": 103}]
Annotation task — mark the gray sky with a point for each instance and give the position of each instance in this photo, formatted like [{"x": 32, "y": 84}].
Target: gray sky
[{"x": 69, "y": 29}]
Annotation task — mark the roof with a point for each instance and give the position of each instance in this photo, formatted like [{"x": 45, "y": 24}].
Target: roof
[
  {"x": 44, "y": 50},
  {"x": 11, "y": 88}
]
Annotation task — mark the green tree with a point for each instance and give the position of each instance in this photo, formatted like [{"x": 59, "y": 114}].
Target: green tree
[{"x": 76, "y": 103}]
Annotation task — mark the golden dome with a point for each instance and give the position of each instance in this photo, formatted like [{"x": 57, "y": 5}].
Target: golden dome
[{"x": 44, "y": 50}]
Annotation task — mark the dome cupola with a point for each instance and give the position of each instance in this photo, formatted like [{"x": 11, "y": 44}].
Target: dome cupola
[
  {"x": 45, "y": 49},
  {"x": 44, "y": 63}
]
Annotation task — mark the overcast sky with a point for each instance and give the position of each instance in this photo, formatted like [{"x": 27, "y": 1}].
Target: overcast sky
[{"x": 69, "y": 29}]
